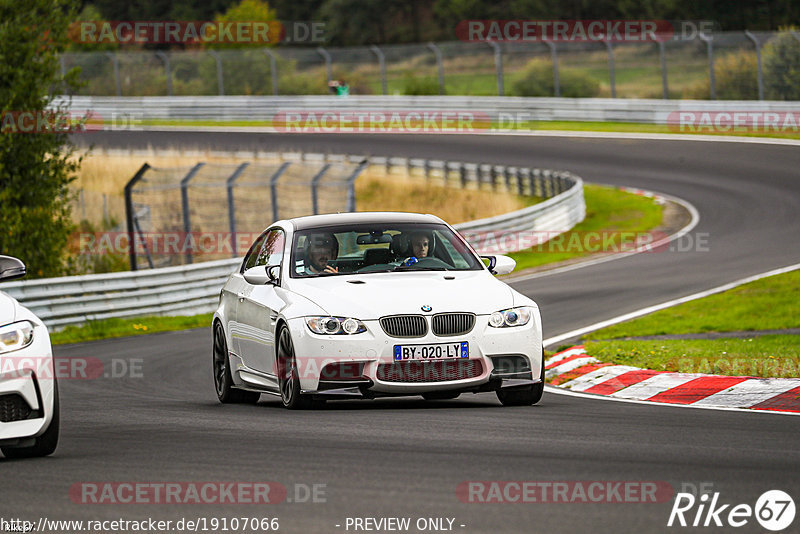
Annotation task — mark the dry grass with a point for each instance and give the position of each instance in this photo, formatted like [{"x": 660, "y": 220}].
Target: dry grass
[
  {"x": 103, "y": 177},
  {"x": 377, "y": 192}
]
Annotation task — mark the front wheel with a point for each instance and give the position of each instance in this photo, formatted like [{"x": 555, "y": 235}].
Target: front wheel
[
  {"x": 525, "y": 395},
  {"x": 45, "y": 444},
  {"x": 223, "y": 382},
  {"x": 288, "y": 375}
]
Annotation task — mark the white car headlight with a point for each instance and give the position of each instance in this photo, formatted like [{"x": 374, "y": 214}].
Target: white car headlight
[
  {"x": 335, "y": 325},
  {"x": 510, "y": 317},
  {"x": 15, "y": 336}
]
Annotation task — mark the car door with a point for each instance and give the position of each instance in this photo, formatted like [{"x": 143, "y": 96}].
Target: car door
[{"x": 259, "y": 305}]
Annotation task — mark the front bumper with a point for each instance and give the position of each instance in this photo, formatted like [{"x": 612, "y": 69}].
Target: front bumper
[
  {"x": 498, "y": 358},
  {"x": 27, "y": 389}
]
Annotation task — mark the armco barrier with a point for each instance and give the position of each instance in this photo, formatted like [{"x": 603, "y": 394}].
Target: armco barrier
[
  {"x": 194, "y": 289},
  {"x": 125, "y": 111}
]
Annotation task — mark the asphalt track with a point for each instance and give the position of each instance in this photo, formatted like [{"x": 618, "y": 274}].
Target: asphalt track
[{"x": 405, "y": 458}]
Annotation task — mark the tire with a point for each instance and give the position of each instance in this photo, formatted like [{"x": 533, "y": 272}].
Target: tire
[
  {"x": 45, "y": 444},
  {"x": 223, "y": 382},
  {"x": 441, "y": 395},
  {"x": 525, "y": 395},
  {"x": 288, "y": 375}
]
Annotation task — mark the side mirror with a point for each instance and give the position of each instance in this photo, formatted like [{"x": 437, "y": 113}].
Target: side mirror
[
  {"x": 500, "y": 264},
  {"x": 263, "y": 274},
  {"x": 11, "y": 268}
]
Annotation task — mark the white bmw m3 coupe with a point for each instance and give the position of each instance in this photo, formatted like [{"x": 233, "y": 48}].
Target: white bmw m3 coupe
[
  {"x": 366, "y": 305},
  {"x": 29, "y": 410}
]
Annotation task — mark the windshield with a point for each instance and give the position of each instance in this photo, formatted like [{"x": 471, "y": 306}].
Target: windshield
[{"x": 371, "y": 248}]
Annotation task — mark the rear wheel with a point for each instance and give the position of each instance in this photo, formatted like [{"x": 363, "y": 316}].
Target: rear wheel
[
  {"x": 223, "y": 382},
  {"x": 441, "y": 395},
  {"x": 523, "y": 396},
  {"x": 288, "y": 375},
  {"x": 45, "y": 444}
]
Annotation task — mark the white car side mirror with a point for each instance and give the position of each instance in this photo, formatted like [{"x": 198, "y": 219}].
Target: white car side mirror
[
  {"x": 500, "y": 264},
  {"x": 11, "y": 268},
  {"x": 262, "y": 274}
]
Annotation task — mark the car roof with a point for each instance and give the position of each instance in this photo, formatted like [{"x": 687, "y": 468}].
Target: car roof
[{"x": 366, "y": 217}]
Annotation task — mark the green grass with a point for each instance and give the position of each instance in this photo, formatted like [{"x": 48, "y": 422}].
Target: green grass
[
  {"x": 609, "y": 212},
  {"x": 771, "y": 303},
  {"x": 575, "y": 126},
  {"x": 109, "y": 328},
  {"x": 773, "y": 356},
  {"x": 768, "y": 304}
]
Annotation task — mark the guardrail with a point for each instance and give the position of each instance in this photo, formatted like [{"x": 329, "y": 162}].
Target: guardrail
[
  {"x": 194, "y": 288},
  {"x": 505, "y": 112}
]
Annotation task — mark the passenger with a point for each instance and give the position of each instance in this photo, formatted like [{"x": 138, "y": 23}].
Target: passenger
[{"x": 319, "y": 250}]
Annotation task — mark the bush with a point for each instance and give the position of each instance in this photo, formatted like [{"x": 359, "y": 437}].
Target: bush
[
  {"x": 35, "y": 169},
  {"x": 417, "y": 86},
  {"x": 781, "y": 59},
  {"x": 536, "y": 79},
  {"x": 735, "y": 78}
]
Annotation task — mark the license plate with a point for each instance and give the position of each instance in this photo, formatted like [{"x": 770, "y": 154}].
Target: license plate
[{"x": 433, "y": 351}]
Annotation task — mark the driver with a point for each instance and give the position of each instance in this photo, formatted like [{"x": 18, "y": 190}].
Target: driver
[
  {"x": 319, "y": 250},
  {"x": 420, "y": 245}
]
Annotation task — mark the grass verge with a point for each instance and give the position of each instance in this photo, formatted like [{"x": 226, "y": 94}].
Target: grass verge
[
  {"x": 578, "y": 126},
  {"x": 612, "y": 217},
  {"x": 771, "y": 303},
  {"x": 108, "y": 328}
]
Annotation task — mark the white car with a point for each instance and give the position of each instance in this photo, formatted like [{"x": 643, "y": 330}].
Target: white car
[
  {"x": 29, "y": 412},
  {"x": 365, "y": 305}
]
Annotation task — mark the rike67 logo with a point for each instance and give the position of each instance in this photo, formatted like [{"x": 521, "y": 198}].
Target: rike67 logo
[{"x": 774, "y": 510}]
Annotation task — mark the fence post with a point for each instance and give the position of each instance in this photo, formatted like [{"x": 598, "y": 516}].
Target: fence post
[
  {"x": 231, "y": 208},
  {"x": 129, "y": 214},
  {"x": 220, "y": 77},
  {"x": 662, "y": 54},
  {"x": 315, "y": 184},
  {"x": 382, "y": 62},
  {"x": 115, "y": 63},
  {"x": 273, "y": 70},
  {"x": 328, "y": 67},
  {"x": 711, "y": 81},
  {"x": 439, "y": 65},
  {"x": 556, "y": 79},
  {"x": 273, "y": 189},
  {"x": 758, "y": 62},
  {"x": 187, "y": 222},
  {"x": 351, "y": 188},
  {"x": 611, "y": 73},
  {"x": 165, "y": 58},
  {"x": 498, "y": 64}
]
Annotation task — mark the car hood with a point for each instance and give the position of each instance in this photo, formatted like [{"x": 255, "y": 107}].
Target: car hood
[
  {"x": 9, "y": 309},
  {"x": 375, "y": 295}
]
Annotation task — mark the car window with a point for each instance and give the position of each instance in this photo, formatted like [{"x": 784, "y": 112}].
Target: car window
[
  {"x": 379, "y": 247},
  {"x": 267, "y": 250}
]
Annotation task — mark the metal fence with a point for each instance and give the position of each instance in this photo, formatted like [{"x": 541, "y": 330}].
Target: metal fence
[
  {"x": 679, "y": 68},
  {"x": 168, "y": 209}
]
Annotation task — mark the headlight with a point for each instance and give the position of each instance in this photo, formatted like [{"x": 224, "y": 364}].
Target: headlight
[
  {"x": 15, "y": 336},
  {"x": 510, "y": 317},
  {"x": 335, "y": 325}
]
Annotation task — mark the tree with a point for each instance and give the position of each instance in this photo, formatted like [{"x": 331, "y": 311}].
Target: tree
[{"x": 35, "y": 168}]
